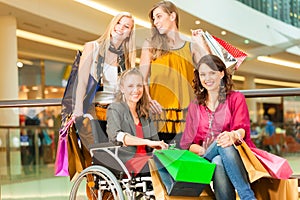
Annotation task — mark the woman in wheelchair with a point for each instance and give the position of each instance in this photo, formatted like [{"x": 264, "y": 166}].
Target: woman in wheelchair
[{"x": 129, "y": 123}]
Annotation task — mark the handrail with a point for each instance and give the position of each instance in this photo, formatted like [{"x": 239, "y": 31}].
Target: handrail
[
  {"x": 273, "y": 92},
  {"x": 30, "y": 103},
  {"x": 57, "y": 102}
]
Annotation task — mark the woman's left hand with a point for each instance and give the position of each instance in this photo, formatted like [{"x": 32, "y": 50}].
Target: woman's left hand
[{"x": 224, "y": 139}]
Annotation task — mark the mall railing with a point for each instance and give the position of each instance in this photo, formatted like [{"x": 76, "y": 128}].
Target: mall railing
[{"x": 6, "y": 147}]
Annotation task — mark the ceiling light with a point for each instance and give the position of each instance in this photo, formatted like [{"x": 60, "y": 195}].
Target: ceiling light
[
  {"x": 286, "y": 63},
  {"x": 277, "y": 83},
  {"x": 223, "y": 32},
  {"x": 111, "y": 11},
  {"x": 47, "y": 40},
  {"x": 246, "y": 41},
  {"x": 267, "y": 82},
  {"x": 197, "y": 22},
  {"x": 19, "y": 64}
]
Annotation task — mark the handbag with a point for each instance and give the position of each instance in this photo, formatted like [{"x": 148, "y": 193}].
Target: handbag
[
  {"x": 277, "y": 167},
  {"x": 68, "y": 102},
  {"x": 275, "y": 189},
  {"x": 252, "y": 165},
  {"x": 177, "y": 162},
  {"x": 61, "y": 160}
]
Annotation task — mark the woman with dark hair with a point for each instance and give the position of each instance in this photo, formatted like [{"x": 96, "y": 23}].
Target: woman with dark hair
[
  {"x": 129, "y": 123},
  {"x": 167, "y": 65},
  {"x": 217, "y": 119}
]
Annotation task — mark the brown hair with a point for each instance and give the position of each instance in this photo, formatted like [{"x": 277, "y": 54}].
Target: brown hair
[
  {"x": 142, "y": 107},
  {"x": 158, "y": 42},
  {"x": 216, "y": 64}
]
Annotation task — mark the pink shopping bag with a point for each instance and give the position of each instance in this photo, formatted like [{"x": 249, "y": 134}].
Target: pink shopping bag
[
  {"x": 277, "y": 167},
  {"x": 61, "y": 161}
]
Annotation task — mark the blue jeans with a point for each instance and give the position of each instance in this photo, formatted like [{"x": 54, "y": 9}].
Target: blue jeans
[{"x": 230, "y": 173}]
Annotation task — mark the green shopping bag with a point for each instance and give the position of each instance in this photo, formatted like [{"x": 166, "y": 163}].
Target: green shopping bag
[{"x": 186, "y": 166}]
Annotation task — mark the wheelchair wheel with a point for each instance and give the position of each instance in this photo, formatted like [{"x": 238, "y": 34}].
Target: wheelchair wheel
[{"x": 96, "y": 183}]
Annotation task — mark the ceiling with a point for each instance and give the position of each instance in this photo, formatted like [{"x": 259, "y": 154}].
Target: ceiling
[{"x": 69, "y": 27}]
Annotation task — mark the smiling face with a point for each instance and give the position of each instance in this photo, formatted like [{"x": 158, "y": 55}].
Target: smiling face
[
  {"x": 122, "y": 29},
  {"x": 132, "y": 88},
  {"x": 209, "y": 78},
  {"x": 163, "y": 21}
]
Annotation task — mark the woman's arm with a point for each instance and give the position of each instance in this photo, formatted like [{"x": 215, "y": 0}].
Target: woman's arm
[
  {"x": 83, "y": 75},
  {"x": 130, "y": 140},
  {"x": 199, "y": 46},
  {"x": 145, "y": 66}
]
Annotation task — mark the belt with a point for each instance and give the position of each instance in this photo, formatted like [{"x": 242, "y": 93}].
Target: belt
[{"x": 102, "y": 105}]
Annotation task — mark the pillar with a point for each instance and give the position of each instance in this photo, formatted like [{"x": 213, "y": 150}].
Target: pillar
[
  {"x": 10, "y": 139},
  {"x": 250, "y": 84}
]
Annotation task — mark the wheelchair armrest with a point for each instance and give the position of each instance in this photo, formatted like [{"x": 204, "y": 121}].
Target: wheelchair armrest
[{"x": 99, "y": 146}]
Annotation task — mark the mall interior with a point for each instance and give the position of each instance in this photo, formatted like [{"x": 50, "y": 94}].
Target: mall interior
[{"x": 39, "y": 40}]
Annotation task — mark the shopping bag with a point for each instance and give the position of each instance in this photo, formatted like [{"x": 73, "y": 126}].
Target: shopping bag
[
  {"x": 252, "y": 165},
  {"x": 221, "y": 52},
  {"x": 160, "y": 190},
  {"x": 61, "y": 160},
  {"x": 177, "y": 162},
  {"x": 177, "y": 188},
  {"x": 275, "y": 189},
  {"x": 239, "y": 55},
  {"x": 75, "y": 154},
  {"x": 277, "y": 167},
  {"x": 67, "y": 104}
]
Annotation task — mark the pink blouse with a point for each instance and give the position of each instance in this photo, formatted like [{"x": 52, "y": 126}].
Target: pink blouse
[{"x": 231, "y": 115}]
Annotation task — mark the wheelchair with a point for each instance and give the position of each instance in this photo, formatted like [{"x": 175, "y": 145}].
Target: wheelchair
[{"x": 108, "y": 178}]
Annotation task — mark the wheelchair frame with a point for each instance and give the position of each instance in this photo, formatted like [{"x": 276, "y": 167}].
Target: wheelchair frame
[{"x": 102, "y": 183}]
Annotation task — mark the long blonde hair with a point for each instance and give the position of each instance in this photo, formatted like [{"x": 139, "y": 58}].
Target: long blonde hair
[
  {"x": 128, "y": 45},
  {"x": 143, "y": 104},
  {"x": 159, "y": 42}
]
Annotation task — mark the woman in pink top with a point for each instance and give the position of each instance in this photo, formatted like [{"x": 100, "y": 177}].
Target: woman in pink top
[{"x": 216, "y": 119}]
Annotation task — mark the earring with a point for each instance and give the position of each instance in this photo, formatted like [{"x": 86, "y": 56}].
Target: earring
[
  {"x": 222, "y": 86},
  {"x": 201, "y": 90}
]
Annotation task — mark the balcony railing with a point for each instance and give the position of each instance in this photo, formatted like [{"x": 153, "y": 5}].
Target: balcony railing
[{"x": 5, "y": 131}]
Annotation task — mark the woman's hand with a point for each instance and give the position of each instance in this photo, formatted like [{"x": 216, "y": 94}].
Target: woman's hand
[
  {"x": 225, "y": 139},
  {"x": 76, "y": 115},
  {"x": 158, "y": 144},
  {"x": 198, "y": 37},
  {"x": 155, "y": 107}
]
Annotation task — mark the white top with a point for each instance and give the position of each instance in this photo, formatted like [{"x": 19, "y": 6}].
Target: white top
[{"x": 110, "y": 81}]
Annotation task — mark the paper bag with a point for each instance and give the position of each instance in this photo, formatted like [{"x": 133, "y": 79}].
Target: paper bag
[
  {"x": 277, "y": 167},
  {"x": 275, "y": 189},
  {"x": 253, "y": 166},
  {"x": 161, "y": 193},
  {"x": 177, "y": 162}
]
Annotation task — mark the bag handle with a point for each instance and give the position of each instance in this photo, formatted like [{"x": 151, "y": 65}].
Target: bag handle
[{"x": 64, "y": 130}]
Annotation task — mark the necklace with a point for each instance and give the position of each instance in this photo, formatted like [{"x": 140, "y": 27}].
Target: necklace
[{"x": 211, "y": 117}]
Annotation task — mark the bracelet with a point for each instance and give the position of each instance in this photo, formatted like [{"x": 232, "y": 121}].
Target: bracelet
[{"x": 239, "y": 135}]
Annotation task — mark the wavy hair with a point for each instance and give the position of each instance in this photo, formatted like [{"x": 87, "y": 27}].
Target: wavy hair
[
  {"x": 143, "y": 104},
  {"x": 128, "y": 44},
  {"x": 226, "y": 85},
  {"x": 158, "y": 42}
]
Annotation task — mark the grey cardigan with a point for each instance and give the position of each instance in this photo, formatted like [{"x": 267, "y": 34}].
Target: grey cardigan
[{"x": 119, "y": 118}]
